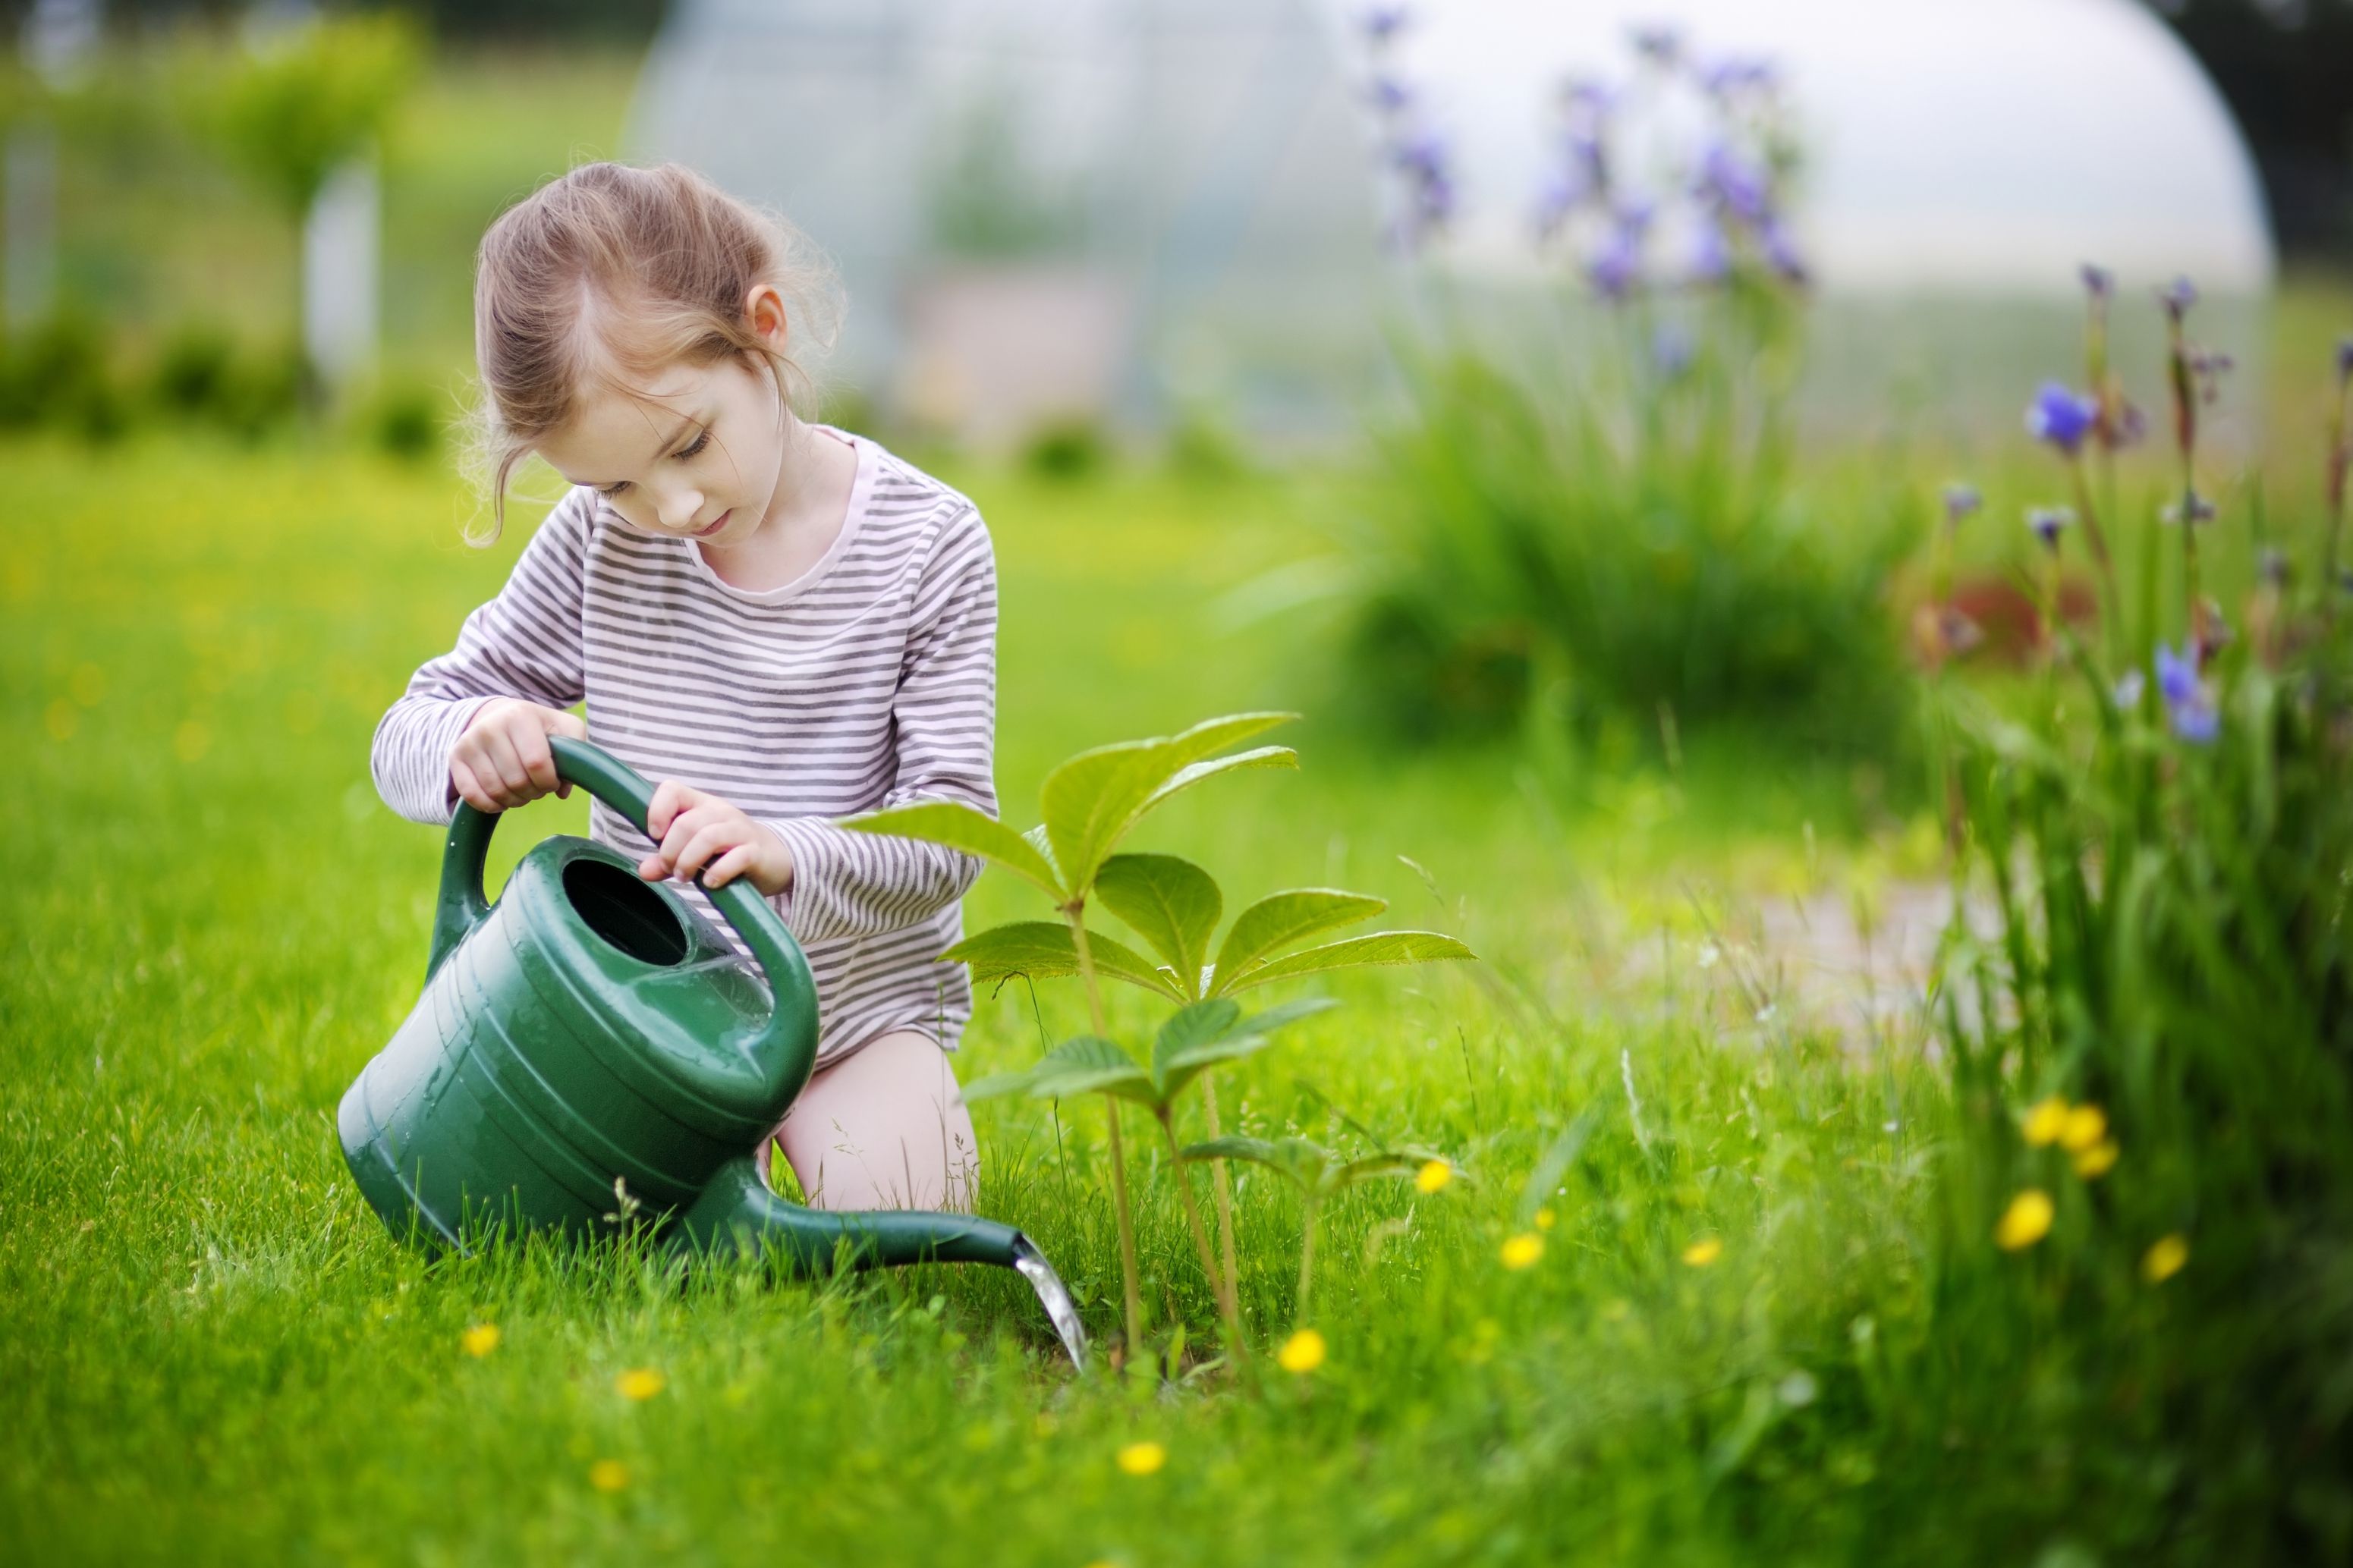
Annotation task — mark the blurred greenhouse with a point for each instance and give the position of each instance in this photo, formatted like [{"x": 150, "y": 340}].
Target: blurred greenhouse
[{"x": 1045, "y": 209}]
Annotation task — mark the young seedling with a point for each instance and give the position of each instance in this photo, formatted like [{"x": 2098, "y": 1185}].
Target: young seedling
[
  {"x": 1319, "y": 1174},
  {"x": 1195, "y": 1038},
  {"x": 1090, "y": 804}
]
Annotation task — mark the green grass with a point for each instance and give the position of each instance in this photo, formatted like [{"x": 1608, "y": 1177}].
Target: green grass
[{"x": 210, "y": 1347}]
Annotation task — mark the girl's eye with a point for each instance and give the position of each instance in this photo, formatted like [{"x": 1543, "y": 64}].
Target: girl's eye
[{"x": 689, "y": 450}]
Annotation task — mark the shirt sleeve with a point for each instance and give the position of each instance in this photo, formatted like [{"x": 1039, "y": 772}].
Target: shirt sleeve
[
  {"x": 846, "y": 883},
  {"x": 526, "y": 643}
]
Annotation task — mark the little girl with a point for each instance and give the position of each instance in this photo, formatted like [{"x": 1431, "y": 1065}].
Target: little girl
[{"x": 779, "y": 621}]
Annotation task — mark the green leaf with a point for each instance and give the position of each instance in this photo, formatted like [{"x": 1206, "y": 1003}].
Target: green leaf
[
  {"x": 1207, "y": 1033},
  {"x": 998, "y": 1084},
  {"x": 1170, "y": 902},
  {"x": 1090, "y": 1064},
  {"x": 1388, "y": 1163},
  {"x": 1276, "y": 921},
  {"x": 961, "y": 827},
  {"x": 1355, "y": 952},
  {"x": 1185, "y": 778},
  {"x": 1091, "y": 801},
  {"x": 1042, "y": 949},
  {"x": 1301, "y": 1161}
]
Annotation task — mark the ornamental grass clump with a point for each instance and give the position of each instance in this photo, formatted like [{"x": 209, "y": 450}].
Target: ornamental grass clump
[
  {"x": 2149, "y": 1017},
  {"x": 1091, "y": 802},
  {"x": 1587, "y": 513}
]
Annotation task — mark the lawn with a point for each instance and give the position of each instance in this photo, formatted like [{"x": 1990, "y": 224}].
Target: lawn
[{"x": 211, "y": 1349}]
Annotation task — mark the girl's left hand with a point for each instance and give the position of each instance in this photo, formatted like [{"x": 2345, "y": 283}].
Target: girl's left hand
[{"x": 699, "y": 832}]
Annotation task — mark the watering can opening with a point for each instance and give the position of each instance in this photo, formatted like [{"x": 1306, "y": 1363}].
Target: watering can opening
[{"x": 619, "y": 907}]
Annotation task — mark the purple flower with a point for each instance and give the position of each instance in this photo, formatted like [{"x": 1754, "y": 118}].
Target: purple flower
[
  {"x": 2177, "y": 297},
  {"x": 1961, "y": 502},
  {"x": 1617, "y": 266},
  {"x": 1735, "y": 182},
  {"x": 2188, "y": 705},
  {"x": 1585, "y": 98},
  {"x": 1382, "y": 22},
  {"x": 1422, "y": 155},
  {"x": 1559, "y": 198},
  {"x": 2209, "y": 369},
  {"x": 1670, "y": 350},
  {"x": 2271, "y": 567},
  {"x": 2098, "y": 281},
  {"x": 2177, "y": 676},
  {"x": 1389, "y": 95},
  {"x": 2344, "y": 360},
  {"x": 2046, "y": 524},
  {"x": 2059, "y": 417},
  {"x": 1781, "y": 252},
  {"x": 1729, "y": 73},
  {"x": 1711, "y": 253},
  {"x": 1662, "y": 46}
]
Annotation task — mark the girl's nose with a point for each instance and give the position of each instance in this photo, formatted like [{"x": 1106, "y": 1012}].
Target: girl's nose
[{"x": 677, "y": 508}]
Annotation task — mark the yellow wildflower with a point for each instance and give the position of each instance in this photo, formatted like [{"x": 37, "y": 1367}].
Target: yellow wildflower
[
  {"x": 1522, "y": 1250},
  {"x": 480, "y": 1340},
  {"x": 2085, "y": 1125},
  {"x": 1302, "y": 1352},
  {"x": 2165, "y": 1259},
  {"x": 2025, "y": 1222},
  {"x": 2046, "y": 1121},
  {"x": 608, "y": 1474},
  {"x": 1433, "y": 1175},
  {"x": 640, "y": 1383},
  {"x": 2094, "y": 1163},
  {"x": 1141, "y": 1458},
  {"x": 1703, "y": 1252},
  {"x": 1543, "y": 1219}
]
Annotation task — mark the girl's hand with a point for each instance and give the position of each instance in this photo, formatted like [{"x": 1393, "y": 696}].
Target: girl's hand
[
  {"x": 698, "y": 832},
  {"x": 502, "y": 760}
]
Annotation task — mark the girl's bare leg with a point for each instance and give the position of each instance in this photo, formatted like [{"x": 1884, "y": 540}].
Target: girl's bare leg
[{"x": 884, "y": 1128}]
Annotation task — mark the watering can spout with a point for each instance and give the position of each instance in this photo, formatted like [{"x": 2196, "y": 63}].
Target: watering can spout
[{"x": 737, "y": 1214}]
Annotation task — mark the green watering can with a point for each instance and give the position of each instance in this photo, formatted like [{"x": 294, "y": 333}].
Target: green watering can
[{"x": 589, "y": 1049}]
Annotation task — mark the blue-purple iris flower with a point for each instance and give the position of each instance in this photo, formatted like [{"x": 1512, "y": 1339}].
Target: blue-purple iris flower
[
  {"x": 1735, "y": 182},
  {"x": 2345, "y": 360},
  {"x": 1781, "y": 252},
  {"x": 1710, "y": 252},
  {"x": 1672, "y": 350},
  {"x": 1961, "y": 502},
  {"x": 1382, "y": 22},
  {"x": 1661, "y": 45},
  {"x": 1388, "y": 95},
  {"x": 2047, "y": 521},
  {"x": 1615, "y": 266},
  {"x": 2059, "y": 417},
  {"x": 2098, "y": 281},
  {"x": 1729, "y": 73},
  {"x": 2188, "y": 706},
  {"x": 2177, "y": 297}
]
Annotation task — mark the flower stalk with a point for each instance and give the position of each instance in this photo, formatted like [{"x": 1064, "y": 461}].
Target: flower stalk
[{"x": 1075, "y": 912}]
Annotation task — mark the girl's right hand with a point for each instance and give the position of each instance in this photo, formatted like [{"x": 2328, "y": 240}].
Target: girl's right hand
[{"x": 502, "y": 760}]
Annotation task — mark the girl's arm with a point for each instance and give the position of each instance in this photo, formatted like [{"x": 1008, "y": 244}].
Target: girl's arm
[
  {"x": 851, "y": 884},
  {"x": 523, "y": 644}
]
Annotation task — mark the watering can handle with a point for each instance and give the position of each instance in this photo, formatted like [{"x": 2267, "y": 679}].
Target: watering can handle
[{"x": 462, "y": 905}]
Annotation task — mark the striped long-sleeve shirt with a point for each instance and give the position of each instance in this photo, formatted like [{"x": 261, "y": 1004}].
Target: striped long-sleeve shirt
[{"x": 868, "y": 681}]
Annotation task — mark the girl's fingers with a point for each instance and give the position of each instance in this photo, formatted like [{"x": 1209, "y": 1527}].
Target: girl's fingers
[
  {"x": 653, "y": 867},
  {"x": 512, "y": 777},
  {"x": 670, "y": 799},
  {"x": 470, "y": 787},
  {"x": 538, "y": 760},
  {"x": 728, "y": 866},
  {"x": 708, "y": 839}
]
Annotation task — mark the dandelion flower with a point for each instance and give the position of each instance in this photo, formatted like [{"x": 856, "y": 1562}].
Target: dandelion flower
[
  {"x": 1433, "y": 1175},
  {"x": 1302, "y": 1352},
  {"x": 480, "y": 1340},
  {"x": 1522, "y": 1250},
  {"x": 2046, "y": 1121},
  {"x": 2086, "y": 1126},
  {"x": 1704, "y": 1251},
  {"x": 2025, "y": 1222},
  {"x": 640, "y": 1383},
  {"x": 1544, "y": 1219},
  {"x": 2096, "y": 1162},
  {"x": 608, "y": 1474},
  {"x": 1141, "y": 1458},
  {"x": 2165, "y": 1259}
]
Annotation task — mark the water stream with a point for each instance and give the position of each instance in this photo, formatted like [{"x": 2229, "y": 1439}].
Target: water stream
[{"x": 1054, "y": 1296}]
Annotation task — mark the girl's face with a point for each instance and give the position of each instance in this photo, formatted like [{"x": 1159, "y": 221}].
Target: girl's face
[{"x": 700, "y": 456}]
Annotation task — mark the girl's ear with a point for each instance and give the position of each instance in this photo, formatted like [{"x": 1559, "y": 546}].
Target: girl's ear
[{"x": 764, "y": 308}]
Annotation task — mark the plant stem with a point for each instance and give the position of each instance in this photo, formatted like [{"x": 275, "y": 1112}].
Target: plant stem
[
  {"x": 1076, "y": 911},
  {"x": 1200, "y": 1233},
  {"x": 1223, "y": 1188},
  {"x": 1306, "y": 1264}
]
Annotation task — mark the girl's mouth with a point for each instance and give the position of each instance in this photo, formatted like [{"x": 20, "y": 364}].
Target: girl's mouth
[{"x": 716, "y": 525}]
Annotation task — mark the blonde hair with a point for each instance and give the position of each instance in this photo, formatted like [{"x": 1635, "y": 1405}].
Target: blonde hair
[{"x": 612, "y": 268}]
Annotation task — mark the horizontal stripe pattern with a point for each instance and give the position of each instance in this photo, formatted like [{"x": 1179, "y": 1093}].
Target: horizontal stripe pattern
[{"x": 870, "y": 682}]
